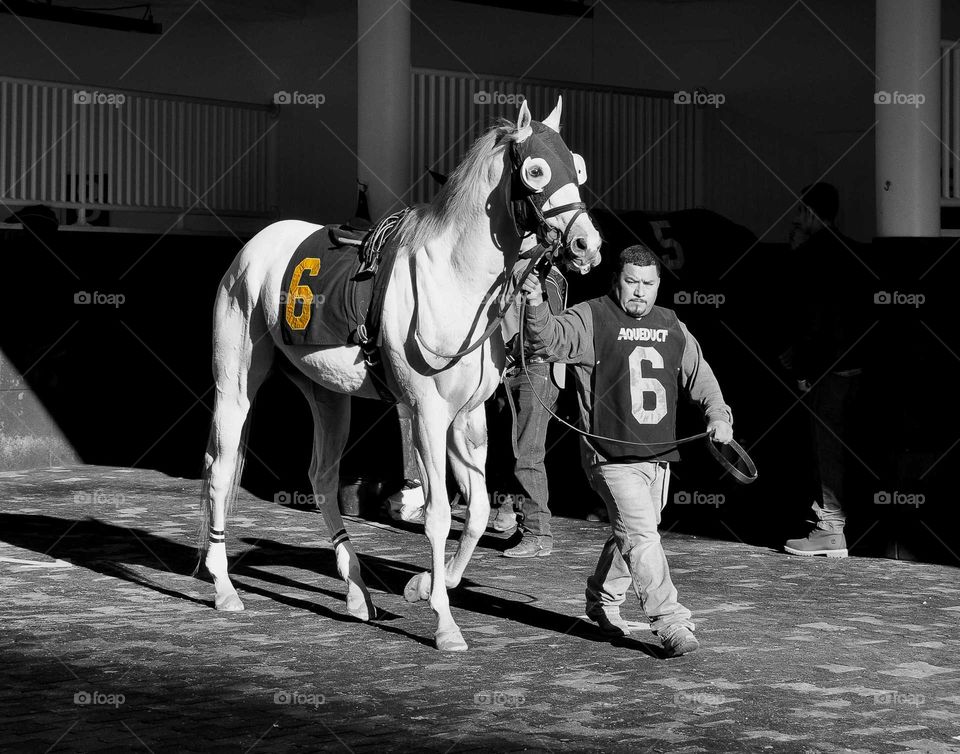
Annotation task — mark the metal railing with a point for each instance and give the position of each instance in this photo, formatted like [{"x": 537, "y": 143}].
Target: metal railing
[
  {"x": 640, "y": 146},
  {"x": 950, "y": 124},
  {"x": 87, "y": 148}
]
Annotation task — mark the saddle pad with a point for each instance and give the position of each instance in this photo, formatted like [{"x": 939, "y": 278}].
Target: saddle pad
[{"x": 321, "y": 304}]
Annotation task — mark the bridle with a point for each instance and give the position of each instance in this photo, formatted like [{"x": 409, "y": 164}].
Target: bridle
[{"x": 528, "y": 218}]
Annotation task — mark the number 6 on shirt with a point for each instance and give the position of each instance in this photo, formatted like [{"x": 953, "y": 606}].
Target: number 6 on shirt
[{"x": 640, "y": 385}]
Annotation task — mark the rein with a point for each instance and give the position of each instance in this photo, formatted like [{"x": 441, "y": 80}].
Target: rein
[
  {"x": 550, "y": 240},
  {"x": 539, "y": 252},
  {"x": 548, "y": 248},
  {"x": 526, "y": 373}
]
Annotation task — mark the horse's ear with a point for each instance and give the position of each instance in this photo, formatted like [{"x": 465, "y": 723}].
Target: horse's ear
[
  {"x": 553, "y": 120},
  {"x": 581, "y": 167},
  {"x": 523, "y": 122}
]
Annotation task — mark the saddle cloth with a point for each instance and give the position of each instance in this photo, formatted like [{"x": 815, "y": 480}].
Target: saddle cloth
[
  {"x": 322, "y": 304},
  {"x": 334, "y": 287}
]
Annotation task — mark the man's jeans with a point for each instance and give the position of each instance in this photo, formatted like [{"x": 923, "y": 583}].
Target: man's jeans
[
  {"x": 530, "y": 429},
  {"x": 635, "y": 493},
  {"x": 411, "y": 469},
  {"x": 832, "y": 401}
]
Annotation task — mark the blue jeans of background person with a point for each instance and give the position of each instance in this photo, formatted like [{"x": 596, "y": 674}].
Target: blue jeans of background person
[
  {"x": 635, "y": 494},
  {"x": 531, "y": 432},
  {"x": 832, "y": 400},
  {"x": 411, "y": 469}
]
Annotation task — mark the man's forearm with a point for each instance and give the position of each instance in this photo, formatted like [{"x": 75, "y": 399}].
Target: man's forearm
[
  {"x": 702, "y": 385},
  {"x": 565, "y": 337},
  {"x": 540, "y": 338}
]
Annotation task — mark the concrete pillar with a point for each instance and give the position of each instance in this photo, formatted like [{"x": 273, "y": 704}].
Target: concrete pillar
[
  {"x": 383, "y": 103},
  {"x": 907, "y": 111}
]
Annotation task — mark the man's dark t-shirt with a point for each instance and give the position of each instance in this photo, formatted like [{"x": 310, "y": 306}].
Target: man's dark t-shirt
[{"x": 831, "y": 292}]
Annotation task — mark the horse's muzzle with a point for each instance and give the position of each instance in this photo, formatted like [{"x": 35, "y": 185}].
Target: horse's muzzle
[{"x": 583, "y": 251}]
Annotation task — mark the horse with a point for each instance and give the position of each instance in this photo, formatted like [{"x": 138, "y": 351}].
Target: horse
[{"x": 448, "y": 282}]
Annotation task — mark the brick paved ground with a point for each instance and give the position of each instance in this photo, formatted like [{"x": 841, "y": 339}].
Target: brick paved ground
[{"x": 105, "y": 610}]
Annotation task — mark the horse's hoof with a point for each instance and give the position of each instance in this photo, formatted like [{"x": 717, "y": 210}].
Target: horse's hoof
[
  {"x": 451, "y": 640},
  {"x": 418, "y": 588},
  {"x": 361, "y": 609},
  {"x": 229, "y": 603}
]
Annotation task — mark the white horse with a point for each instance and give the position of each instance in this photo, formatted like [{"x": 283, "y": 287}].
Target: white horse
[{"x": 443, "y": 291}]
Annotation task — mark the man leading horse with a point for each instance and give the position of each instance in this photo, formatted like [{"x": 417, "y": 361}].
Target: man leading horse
[{"x": 630, "y": 356}]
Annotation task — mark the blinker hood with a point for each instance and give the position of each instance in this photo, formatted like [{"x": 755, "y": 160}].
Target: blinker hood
[{"x": 546, "y": 143}]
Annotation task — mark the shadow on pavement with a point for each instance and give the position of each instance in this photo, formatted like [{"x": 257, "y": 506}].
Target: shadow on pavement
[{"x": 111, "y": 550}]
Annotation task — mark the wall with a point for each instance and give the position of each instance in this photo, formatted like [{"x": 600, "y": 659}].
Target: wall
[
  {"x": 233, "y": 51},
  {"x": 798, "y": 84},
  {"x": 29, "y": 436},
  {"x": 798, "y": 97}
]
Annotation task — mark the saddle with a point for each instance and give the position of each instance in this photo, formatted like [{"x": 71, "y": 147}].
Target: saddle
[{"x": 334, "y": 288}]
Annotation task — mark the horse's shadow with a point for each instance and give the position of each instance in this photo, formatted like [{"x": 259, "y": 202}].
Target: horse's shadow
[{"x": 116, "y": 551}]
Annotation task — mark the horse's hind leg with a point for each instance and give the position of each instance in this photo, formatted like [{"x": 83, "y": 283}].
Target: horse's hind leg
[
  {"x": 243, "y": 355},
  {"x": 331, "y": 426},
  {"x": 468, "y": 458}
]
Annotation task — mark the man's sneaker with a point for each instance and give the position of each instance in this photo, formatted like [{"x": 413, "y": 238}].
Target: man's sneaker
[
  {"x": 407, "y": 504},
  {"x": 598, "y": 514},
  {"x": 678, "y": 640},
  {"x": 610, "y": 622},
  {"x": 502, "y": 518},
  {"x": 530, "y": 546},
  {"x": 818, "y": 542}
]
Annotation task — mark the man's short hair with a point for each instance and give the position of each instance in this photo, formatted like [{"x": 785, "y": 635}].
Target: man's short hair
[
  {"x": 823, "y": 200},
  {"x": 639, "y": 255}
]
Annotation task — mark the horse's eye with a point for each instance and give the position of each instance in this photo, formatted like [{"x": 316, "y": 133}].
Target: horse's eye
[{"x": 535, "y": 173}]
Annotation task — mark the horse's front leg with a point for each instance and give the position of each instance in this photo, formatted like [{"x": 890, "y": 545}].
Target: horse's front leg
[
  {"x": 430, "y": 428},
  {"x": 468, "y": 459}
]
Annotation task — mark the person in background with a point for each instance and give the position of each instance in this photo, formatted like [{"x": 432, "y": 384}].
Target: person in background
[
  {"x": 407, "y": 504},
  {"x": 824, "y": 359},
  {"x": 531, "y": 418}
]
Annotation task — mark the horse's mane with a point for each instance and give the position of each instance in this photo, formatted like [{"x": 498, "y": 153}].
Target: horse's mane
[{"x": 463, "y": 197}]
